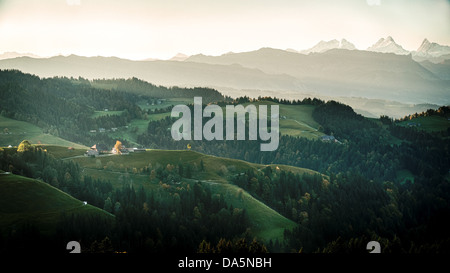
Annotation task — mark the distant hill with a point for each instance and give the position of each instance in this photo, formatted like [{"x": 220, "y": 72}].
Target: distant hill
[
  {"x": 335, "y": 72},
  {"x": 350, "y": 73},
  {"x": 11, "y": 55},
  {"x": 166, "y": 73},
  {"x": 440, "y": 69}
]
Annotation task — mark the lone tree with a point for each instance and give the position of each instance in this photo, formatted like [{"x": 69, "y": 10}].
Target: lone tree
[
  {"x": 25, "y": 146},
  {"x": 118, "y": 147}
]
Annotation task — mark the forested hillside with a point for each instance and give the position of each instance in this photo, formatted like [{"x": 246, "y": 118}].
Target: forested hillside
[
  {"x": 65, "y": 107},
  {"x": 376, "y": 179}
]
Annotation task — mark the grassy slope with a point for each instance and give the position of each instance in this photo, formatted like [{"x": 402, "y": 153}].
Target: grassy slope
[
  {"x": 20, "y": 130},
  {"x": 429, "y": 123},
  {"x": 63, "y": 151},
  {"x": 295, "y": 120},
  {"x": 139, "y": 126},
  {"x": 28, "y": 200},
  {"x": 299, "y": 121},
  {"x": 106, "y": 113},
  {"x": 267, "y": 223}
]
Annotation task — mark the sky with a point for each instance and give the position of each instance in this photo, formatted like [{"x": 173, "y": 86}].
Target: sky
[{"x": 141, "y": 29}]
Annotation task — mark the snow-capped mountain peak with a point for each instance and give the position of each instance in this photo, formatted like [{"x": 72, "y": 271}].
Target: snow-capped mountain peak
[
  {"x": 179, "y": 57},
  {"x": 388, "y": 45},
  {"x": 347, "y": 45},
  {"x": 424, "y": 46},
  {"x": 323, "y": 46},
  {"x": 428, "y": 49}
]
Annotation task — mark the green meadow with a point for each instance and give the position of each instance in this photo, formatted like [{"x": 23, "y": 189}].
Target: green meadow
[
  {"x": 26, "y": 200},
  {"x": 428, "y": 123},
  {"x": 12, "y": 132}
]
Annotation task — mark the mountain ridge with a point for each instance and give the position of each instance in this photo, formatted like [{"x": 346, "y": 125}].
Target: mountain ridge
[
  {"x": 337, "y": 72},
  {"x": 431, "y": 49},
  {"x": 388, "y": 45},
  {"x": 324, "y": 46}
]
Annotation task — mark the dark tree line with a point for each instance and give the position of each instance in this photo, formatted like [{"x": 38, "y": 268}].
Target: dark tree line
[
  {"x": 140, "y": 87},
  {"x": 443, "y": 111}
]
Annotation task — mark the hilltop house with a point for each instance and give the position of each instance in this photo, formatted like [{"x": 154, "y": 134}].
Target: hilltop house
[
  {"x": 96, "y": 150},
  {"x": 328, "y": 138},
  {"x": 92, "y": 152},
  {"x": 413, "y": 124},
  {"x": 102, "y": 148}
]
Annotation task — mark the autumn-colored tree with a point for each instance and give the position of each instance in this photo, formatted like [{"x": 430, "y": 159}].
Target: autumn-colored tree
[
  {"x": 25, "y": 146},
  {"x": 118, "y": 147},
  {"x": 106, "y": 246},
  {"x": 205, "y": 247},
  {"x": 152, "y": 175},
  {"x": 224, "y": 246},
  {"x": 169, "y": 167},
  {"x": 257, "y": 247}
]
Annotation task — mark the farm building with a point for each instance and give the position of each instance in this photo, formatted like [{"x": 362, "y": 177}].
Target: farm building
[
  {"x": 91, "y": 152},
  {"x": 328, "y": 138},
  {"x": 96, "y": 150},
  {"x": 101, "y": 148}
]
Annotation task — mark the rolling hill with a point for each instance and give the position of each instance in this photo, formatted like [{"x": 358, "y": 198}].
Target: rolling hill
[
  {"x": 12, "y": 132},
  {"x": 432, "y": 123},
  {"x": 48, "y": 202},
  {"x": 24, "y": 200},
  {"x": 218, "y": 171}
]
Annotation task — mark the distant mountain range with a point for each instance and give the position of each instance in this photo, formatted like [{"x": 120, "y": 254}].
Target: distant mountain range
[
  {"x": 11, "y": 55},
  {"x": 346, "y": 73},
  {"x": 333, "y": 69},
  {"x": 431, "y": 51}
]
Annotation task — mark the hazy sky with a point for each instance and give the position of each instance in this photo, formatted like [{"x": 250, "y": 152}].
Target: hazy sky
[{"x": 139, "y": 29}]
